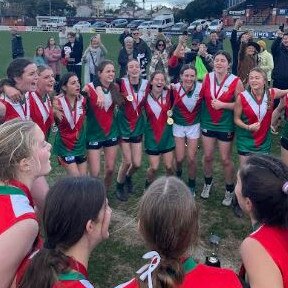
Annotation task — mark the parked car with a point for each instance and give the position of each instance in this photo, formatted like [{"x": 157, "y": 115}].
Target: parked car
[
  {"x": 164, "y": 21},
  {"x": 202, "y": 22},
  {"x": 99, "y": 24},
  {"x": 145, "y": 25},
  {"x": 134, "y": 23},
  {"x": 179, "y": 27},
  {"x": 119, "y": 23},
  {"x": 214, "y": 25},
  {"x": 81, "y": 24}
]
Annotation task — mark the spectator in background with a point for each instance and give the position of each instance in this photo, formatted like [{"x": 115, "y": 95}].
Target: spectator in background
[
  {"x": 235, "y": 43},
  {"x": 126, "y": 33},
  {"x": 266, "y": 62},
  {"x": 72, "y": 55},
  {"x": 79, "y": 37},
  {"x": 198, "y": 34},
  {"x": 148, "y": 37},
  {"x": 53, "y": 56},
  {"x": 279, "y": 51},
  {"x": 159, "y": 61},
  {"x": 247, "y": 60},
  {"x": 200, "y": 59},
  {"x": 92, "y": 57},
  {"x": 126, "y": 53},
  {"x": 143, "y": 52},
  {"x": 62, "y": 36},
  {"x": 39, "y": 57},
  {"x": 214, "y": 45},
  {"x": 16, "y": 43},
  {"x": 221, "y": 33}
]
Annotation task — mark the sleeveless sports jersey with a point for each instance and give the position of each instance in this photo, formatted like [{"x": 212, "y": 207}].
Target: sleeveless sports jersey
[
  {"x": 75, "y": 278},
  {"x": 218, "y": 120},
  {"x": 101, "y": 122},
  {"x": 200, "y": 276},
  {"x": 17, "y": 205},
  {"x": 158, "y": 134},
  {"x": 254, "y": 111},
  {"x": 186, "y": 110},
  {"x": 275, "y": 241},
  {"x": 16, "y": 110},
  {"x": 70, "y": 137},
  {"x": 41, "y": 111},
  {"x": 284, "y": 133},
  {"x": 130, "y": 118}
]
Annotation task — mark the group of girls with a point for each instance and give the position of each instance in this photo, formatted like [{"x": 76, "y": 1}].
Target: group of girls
[
  {"x": 169, "y": 116},
  {"x": 76, "y": 219}
]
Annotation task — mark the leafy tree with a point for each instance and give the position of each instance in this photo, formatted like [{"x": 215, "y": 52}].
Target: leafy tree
[
  {"x": 128, "y": 4},
  {"x": 204, "y": 9}
]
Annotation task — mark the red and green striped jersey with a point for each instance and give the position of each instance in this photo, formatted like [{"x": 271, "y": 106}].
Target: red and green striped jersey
[
  {"x": 158, "y": 134},
  {"x": 70, "y": 137},
  {"x": 284, "y": 133},
  {"x": 41, "y": 111},
  {"x": 200, "y": 276},
  {"x": 101, "y": 121},
  {"x": 130, "y": 117},
  {"x": 218, "y": 120},
  {"x": 187, "y": 106},
  {"x": 255, "y": 111}
]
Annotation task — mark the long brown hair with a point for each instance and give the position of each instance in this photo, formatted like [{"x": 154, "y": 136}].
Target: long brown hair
[
  {"x": 115, "y": 94},
  {"x": 168, "y": 222}
]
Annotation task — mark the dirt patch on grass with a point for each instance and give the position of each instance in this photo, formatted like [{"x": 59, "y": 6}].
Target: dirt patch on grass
[{"x": 124, "y": 229}]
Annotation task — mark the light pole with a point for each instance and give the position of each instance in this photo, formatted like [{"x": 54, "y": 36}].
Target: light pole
[{"x": 50, "y": 7}]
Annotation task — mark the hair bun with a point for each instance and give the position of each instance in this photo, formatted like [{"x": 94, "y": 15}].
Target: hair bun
[{"x": 285, "y": 188}]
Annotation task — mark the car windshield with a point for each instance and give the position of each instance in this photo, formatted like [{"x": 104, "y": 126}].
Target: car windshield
[
  {"x": 157, "y": 22},
  {"x": 214, "y": 22}
]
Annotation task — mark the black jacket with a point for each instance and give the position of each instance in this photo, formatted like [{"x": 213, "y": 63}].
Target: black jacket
[
  {"x": 76, "y": 53},
  {"x": 17, "y": 47},
  {"x": 123, "y": 60},
  {"x": 280, "y": 57},
  {"x": 214, "y": 48}
]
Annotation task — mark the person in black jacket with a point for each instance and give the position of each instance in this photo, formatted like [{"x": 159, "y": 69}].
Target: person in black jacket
[
  {"x": 142, "y": 51},
  {"x": 279, "y": 51},
  {"x": 214, "y": 45},
  {"x": 72, "y": 54},
  {"x": 16, "y": 43},
  {"x": 236, "y": 42},
  {"x": 126, "y": 33}
]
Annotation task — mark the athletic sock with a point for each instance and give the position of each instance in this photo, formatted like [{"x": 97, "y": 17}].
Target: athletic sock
[{"x": 208, "y": 180}]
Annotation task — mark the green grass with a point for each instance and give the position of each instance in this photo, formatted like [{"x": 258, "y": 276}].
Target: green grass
[{"x": 116, "y": 260}]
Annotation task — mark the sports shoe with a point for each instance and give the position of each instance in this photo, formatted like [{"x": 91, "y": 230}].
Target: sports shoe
[
  {"x": 121, "y": 194},
  {"x": 129, "y": 185},
  {"x": 206, "y": 191},
  {"x": 227, "y": 198},
  {"x": 193, "y": 191}
]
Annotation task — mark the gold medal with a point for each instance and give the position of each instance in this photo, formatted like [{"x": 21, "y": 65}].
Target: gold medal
[
  {"x": 170, "y": 121},
  {"x": 130, "y": 98},
  {"x": 169, "y": 113}
]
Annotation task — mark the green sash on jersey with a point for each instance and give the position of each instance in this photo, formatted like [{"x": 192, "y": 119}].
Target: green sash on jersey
[
  {"x": 8, "y": 190},
  {"x": 189, "y": 265},
  {"x": 71, "y": 276}
]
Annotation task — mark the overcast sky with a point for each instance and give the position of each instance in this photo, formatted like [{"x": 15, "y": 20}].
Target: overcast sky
[{"x": 148, "y": 3}]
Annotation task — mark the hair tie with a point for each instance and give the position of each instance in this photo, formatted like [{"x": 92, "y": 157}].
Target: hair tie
[
  {"x": 146, "y": 270},
  {"x": 285, "y": 188}
]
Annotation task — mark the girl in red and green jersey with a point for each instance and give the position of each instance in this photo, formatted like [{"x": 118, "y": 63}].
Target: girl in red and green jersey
[
  {"x": 24, "y": 156},
  {"x": 283, "y": 106},
  {"x": 131, "y": 123},
  {"x": 159, "y": 138},
  {"x": 186, "y": 127},
  {"x": 253, "y": 113},
  {"x": 168, "y": 223},
  {"x": 219, "y": 90},
  {"x": 76, "y": 220},
  {"x": 69, "y": 143},
  {"x": 262, "y": 192},
  {"x": 102, "y": 129}
]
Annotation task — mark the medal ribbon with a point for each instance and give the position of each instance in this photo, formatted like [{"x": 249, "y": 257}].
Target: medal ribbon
[{"x": 216, "y": 92}]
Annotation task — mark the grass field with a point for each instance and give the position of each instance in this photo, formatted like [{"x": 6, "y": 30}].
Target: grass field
[{"x": 116, "y": 260}]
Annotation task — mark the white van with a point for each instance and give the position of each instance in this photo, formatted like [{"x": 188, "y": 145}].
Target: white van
[
  {"x": 163, "y": 21},
  {"x": 51, "y": 21}
]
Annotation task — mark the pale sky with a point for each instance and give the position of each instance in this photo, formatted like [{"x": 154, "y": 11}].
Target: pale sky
[{"x": 148, "y": 3}]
